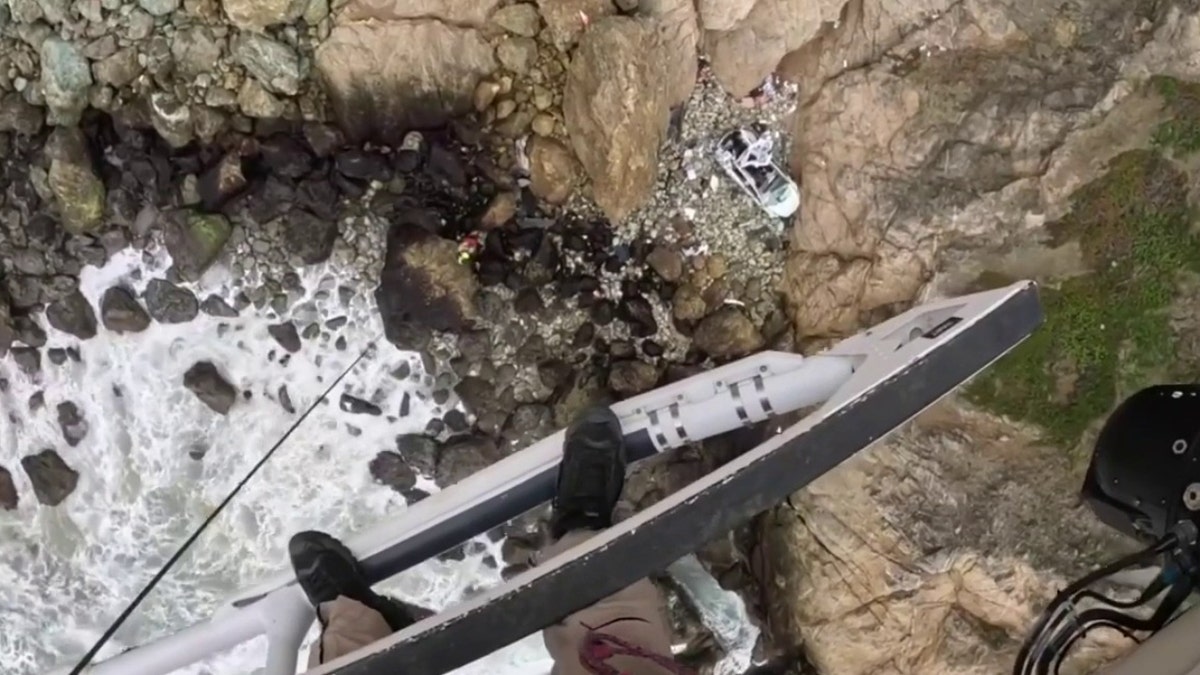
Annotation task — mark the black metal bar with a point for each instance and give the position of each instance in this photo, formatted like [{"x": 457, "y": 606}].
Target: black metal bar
[{"x": 525, "y": 606}]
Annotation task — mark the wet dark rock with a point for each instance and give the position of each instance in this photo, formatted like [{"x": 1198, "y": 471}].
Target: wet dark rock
[
  {"x": 652, "y": 349},
  {"x": 475, "y": 346},
  {"x": 73, "y": 314},
  {"x": 168, "y": 303},
  {"x": 639, "y": 316},
  {"x": 553, "y": 373},
  {"x": 477, "y": 394},
  {"x": 28, "y": 359},
  {"x": 602, "y": 312},
  {"x": 388, "y": 468},
  {"x": 445, "y": 166},
  {"x": 726, "y": 333},
  {"x": 532, "y": 351},
  {"x": 423, "y": 286},
  {"x": 206, "y": 382},
  {"x": 311, "y": 331},
  {"x": 53, "y": 480},
  {"x": 29, "y": 332},
  {"x": 221, "y": 182},
  {"x": 8, "y": 491},
  {"x": 324, "y": 139},
  {"x": 286, "y": 335},
  {"x": 441, "y": 396},
  {"x": 285, "y": 156},
  {"x": 72, "y": 423},
  {"x": 402, "y": 371},
  {"x": 621, "y": 349},
  {"x": 414, "y": 495},
  {"x": 318, "y": 196},
  {"x": 528, "y": 424},
  {"x": 336, "y": 322},
  {"x": 456, "y": 421},
  {"x": 357, "y": 406},
  {"x": 309, "y": 237},
  {"x": 462, "y": 456},
  {"x": 544, "y": 264},
  {"x": 340, "y": 343},
  {"x": 195, "y": 241},
  {"x": 583, "y": 335},
  {"x": 37, "y": 401},
  {"x": 57, "y": 355},
  {"x": 215, "y": 305},
  {"x": 528, "y": 300},
  {"x": 435, "y": 427},
  {"x": 362, "y": 165},
  {"x": 419, "y": 452},
  {"x": 120, "y": 311},
  {"x": 628, "y": 378},
  {"x": 285, "y": 400},
  {"x": 667, "y": 262}
]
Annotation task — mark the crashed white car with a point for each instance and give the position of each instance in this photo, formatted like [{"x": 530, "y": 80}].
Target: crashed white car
[{"x": 745, "y": 156}]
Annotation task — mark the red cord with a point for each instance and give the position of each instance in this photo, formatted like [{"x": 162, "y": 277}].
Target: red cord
[{"x": 599, "y": 647}]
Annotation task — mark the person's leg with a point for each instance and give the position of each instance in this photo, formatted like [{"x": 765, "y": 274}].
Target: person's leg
[
  {"x": 632, "y": 620},
  {"x": 351, "y": 614}
]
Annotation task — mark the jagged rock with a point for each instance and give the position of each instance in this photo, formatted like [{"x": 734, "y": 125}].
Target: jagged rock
[
  {"x": 195, "y": 49},
  {"x": 722, "y": 15},
  {"x": 616, "y": 112},
  {"x": 215, "y": 305},
  {"x": 563, "y": 18},
  {"x": 284, "y": 155},
  {"x": 168, "y": 303},
  {"x": 120, "y": 311},
  {"x": 501, "y": 210},
  {"x": 53, "y": 480},
  {"x": 78, "y": 192},
  {"x": 72, "y": 423},
  {"x": 255, "y": 101},
  {"x": 667, "y": 261},
  {"x": 28, "y": 359},
  {"x": 727, "y": 332},
  {"x": 388, "y": 468},
  {"x": 517, "y": 54},
  {"x": 259, "y": 14},
  {"x": 118, "y": 70},
  {"x": 521, "y": 19},
  {"x": 221, "y": 182},
  {"x": 286, "y": 335},
  {"x": 628, "y": 378},
  {"x": 744, "y": 56},
  {"x": 65, "y": 80},
  {"x": 206, "y": 382},
  {"x": 309, "y": 237},
  {"x": 385, "y": 79},
  {"x": 423, "y": 285},
  {"x": 637, "y": 312},
  {"x": 273, "y": 63},
  {"x": 357, "y": 406},
  {"x": 8, "y": 491},
  {"x": 462, "y": 456},
  {"x": 553, "y": 170},
  {"x": 19, "y": 116},
  {"x": 419, "y": 452},
  {"x": 528, "y": 424},
  {"x": 195, "y": 240},
  {"x": 73, "y": 314},
  {"x": 324, "y": 139},
  {"x": 172, "y": 119}
]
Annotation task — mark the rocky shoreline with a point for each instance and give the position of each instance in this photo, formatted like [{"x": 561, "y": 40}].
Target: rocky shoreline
[{"x": 940, "y": 147}]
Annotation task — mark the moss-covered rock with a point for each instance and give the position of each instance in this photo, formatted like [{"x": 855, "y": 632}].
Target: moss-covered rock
[
  {"x": 195, "y": 240},
  {"x": 1107, "y": 333}
]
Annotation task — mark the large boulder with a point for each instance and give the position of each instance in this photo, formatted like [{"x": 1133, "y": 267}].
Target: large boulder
[
  {"x": 385, "y": 78},
  {"x": 168, "y": 303},
  {"x": 53, "y": 480},
  {"x": 78, "y": 192},
  {"x": 65, "y": 80},
  {"x": 259, "y": 14},
  {"x": 470, "y": 13},
  {"x": 616, "y": 111},
  {"x": 423, "y": 286},
  {"x": 679, "y": 33},
  {"x": 73, "y": 314},
  {"x": 743, "y": 56},
  {"x": 195, "y": 240},
  {"x": 721, "y": 15},
  {"x": 564, "y": 18}
]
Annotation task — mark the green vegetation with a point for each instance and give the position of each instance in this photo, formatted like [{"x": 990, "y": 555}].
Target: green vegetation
[
  {"x": 1181, "y": 133},
  {"x": 1105, "y": 332}
]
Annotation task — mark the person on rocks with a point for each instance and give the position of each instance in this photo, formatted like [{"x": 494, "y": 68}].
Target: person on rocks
[{"x": 627, "y": 632}]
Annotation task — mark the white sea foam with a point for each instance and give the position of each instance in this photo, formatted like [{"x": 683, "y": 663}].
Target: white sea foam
[{"x": 66, "y": 572}]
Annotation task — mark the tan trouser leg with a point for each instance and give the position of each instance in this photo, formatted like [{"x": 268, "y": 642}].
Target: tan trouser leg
[
  {"x": 636, "y": 614},
  {"x": 346, "y": 625}
]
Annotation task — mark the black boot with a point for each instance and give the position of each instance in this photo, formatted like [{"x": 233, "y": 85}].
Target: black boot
[
  {"x": 326, "y": 569},
  {"x": 591, "y": 475}
]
